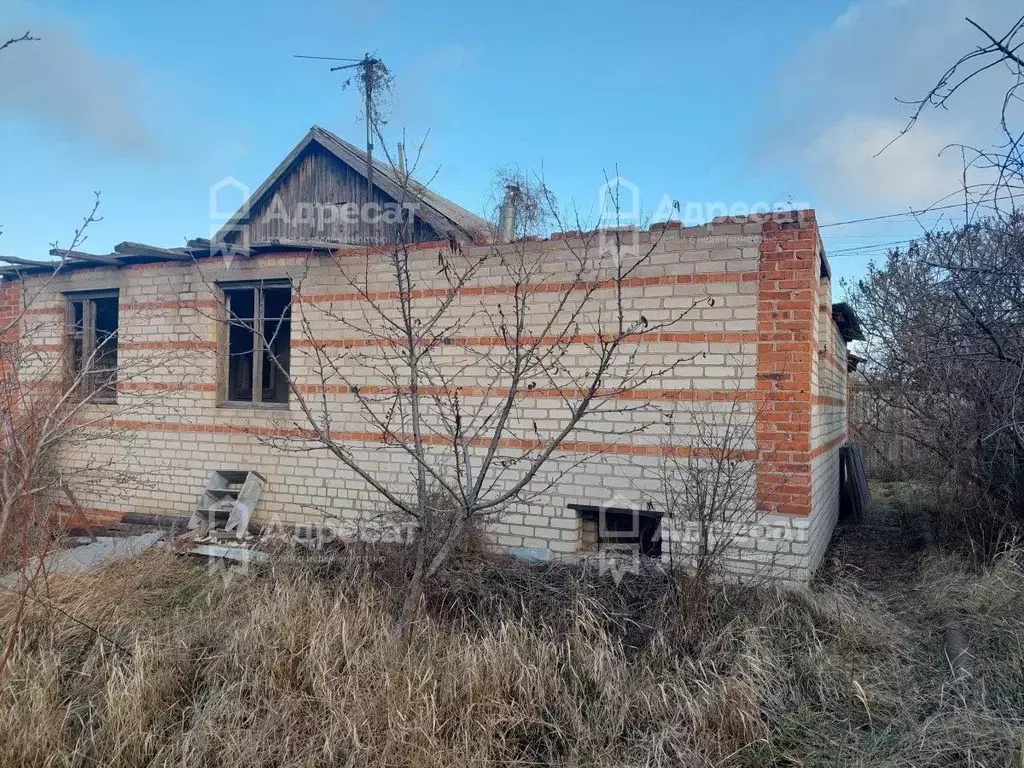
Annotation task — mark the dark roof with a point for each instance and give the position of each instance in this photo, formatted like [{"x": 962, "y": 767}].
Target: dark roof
[
  {"x": 444, "y": 216},
  {"x": 123, "y": 254},
  {"x": 848, "y": 322}
]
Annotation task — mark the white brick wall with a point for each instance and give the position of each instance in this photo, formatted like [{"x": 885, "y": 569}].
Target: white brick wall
[
  {"x": 169, "y": 430},
  {"x": 828, "y": 429}
]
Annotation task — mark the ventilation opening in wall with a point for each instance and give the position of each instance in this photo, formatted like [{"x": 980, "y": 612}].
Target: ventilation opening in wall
[{"x": 616, "y": 528}]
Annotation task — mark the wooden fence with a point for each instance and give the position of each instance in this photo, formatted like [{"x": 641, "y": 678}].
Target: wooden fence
[{"x": 885, "y": 436}]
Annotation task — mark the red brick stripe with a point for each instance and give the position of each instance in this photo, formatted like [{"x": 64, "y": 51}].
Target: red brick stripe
[
  {"x": 134, "y": 306},
  {"x": 173, "y": 345},
  {"x": 491, "y": 290},
  {"x": 470, "y": 341},
  {"x": 696, "y": 337},
  {"x": 157, "y": 386},
  {"x": 675, "y": 395},
  {"x": 680, "y": 395},
  {"x": 840, "y": 367},
  {"x": 43, "y": 347},
  {"x": 73, "y": 517},
  {"x": 826, "y": 400},
  {"x": 44, "y": 311},
  {"x": 533, "y": 288},
  {"x": 298, "y": 433},
  {"x": 833, "y": 443}
]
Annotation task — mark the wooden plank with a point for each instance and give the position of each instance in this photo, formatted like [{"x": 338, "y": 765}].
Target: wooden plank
[
  {"x": 30, "y": 263},
  {"x": 129, "y": 248},
  {"x": 93, "y": 258},
  {"x": 854, "y": 484},
  {"x": 243, "y": 507},
  {"x": 859, "y": 475}
]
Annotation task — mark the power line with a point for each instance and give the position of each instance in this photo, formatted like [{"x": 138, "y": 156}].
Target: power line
[
  {"x": 890, "y": 216},
  {"x": 907, "y": 213},
  {"x": 871, "y": 246},
  {"x": 871, "y": 249}
]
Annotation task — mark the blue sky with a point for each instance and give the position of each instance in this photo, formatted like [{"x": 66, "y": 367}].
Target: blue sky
[{"x": 731, "y": 102}]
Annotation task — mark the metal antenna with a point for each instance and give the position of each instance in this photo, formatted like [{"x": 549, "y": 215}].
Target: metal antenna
[
  {"x": 322, "y": 58},
  {"x": 366, "y": 66}
]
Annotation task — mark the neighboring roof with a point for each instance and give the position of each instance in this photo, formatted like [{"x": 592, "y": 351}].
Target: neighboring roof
[
  {"x": 848, "y": 322},
  {"x": 444, "y": 216}
]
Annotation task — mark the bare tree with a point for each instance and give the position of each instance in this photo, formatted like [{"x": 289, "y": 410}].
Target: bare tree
[
  {"x": 25, "y": 38},
  {"x": 442, "y": 351},
  {"x": 534, "y": 203},
  {"x": 944, "y": 318},
  {"x": 55, "y": 442},
  {"x": 945, "y": 357},
  {"x": 707, "y": 489},
  {"x": 1002, "y": 164}
]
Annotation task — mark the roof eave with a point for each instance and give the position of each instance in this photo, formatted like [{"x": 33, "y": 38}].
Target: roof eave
[{"x": 848, "y": 322}]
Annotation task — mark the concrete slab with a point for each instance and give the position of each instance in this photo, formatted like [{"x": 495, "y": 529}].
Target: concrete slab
[
  {"x": 89, "y": 557},
  {"x": 530, "y": 555}
]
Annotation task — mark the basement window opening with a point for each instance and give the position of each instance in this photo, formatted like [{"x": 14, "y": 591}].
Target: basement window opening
[
  {"x": 258, "y": 343},
  {"x": 622, "y": 529},
  {"x": 91, "y": 344}
]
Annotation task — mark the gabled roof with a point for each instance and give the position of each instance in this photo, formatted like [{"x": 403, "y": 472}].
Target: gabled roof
[
  {"x": 848, "y": 322},
  {"x": 444, "y": 216}
]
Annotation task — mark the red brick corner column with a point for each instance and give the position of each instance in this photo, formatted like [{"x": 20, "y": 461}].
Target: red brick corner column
[
  {"x": 10, "y": 306},
  {"x": 786, "y": 307}
]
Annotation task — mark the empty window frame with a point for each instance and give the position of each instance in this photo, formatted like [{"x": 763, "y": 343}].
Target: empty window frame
[
  {"x": 92, "y": 323},
  {"x": 622, "y": 528},
  {"x": 258, "y": 341}
]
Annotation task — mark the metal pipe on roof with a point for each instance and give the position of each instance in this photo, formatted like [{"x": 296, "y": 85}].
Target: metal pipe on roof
[{"x": 507, "y": 218}]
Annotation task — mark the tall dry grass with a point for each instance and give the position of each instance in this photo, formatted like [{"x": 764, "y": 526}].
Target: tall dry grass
[{"x": 298, "y": 664}]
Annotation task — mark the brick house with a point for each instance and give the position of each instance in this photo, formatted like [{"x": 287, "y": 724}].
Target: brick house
[{"x": 176, "y": 390}]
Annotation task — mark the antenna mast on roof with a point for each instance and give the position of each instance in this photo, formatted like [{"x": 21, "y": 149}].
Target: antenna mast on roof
[{"x": 372, "y": 79}]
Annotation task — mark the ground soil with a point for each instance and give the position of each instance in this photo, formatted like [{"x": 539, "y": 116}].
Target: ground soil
[{"x": 882, "y": 551}]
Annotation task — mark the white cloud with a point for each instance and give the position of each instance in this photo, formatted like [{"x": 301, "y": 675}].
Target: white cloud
[
  {"x": 848, "y": 17},
  {"x": 59, "y": 80},
  {"x": 916, "y": 170},
  {"x": 835, "y": 105}
]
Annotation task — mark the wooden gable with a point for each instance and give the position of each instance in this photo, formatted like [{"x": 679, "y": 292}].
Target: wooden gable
[{"x": 319, "y": 194}]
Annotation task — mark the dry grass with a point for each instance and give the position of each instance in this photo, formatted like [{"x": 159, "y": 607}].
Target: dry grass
[{"x": 299, "y": 665}]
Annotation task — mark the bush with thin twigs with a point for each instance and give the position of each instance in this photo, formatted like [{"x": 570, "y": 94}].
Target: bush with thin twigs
[{"x": 28, "y": 474}]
